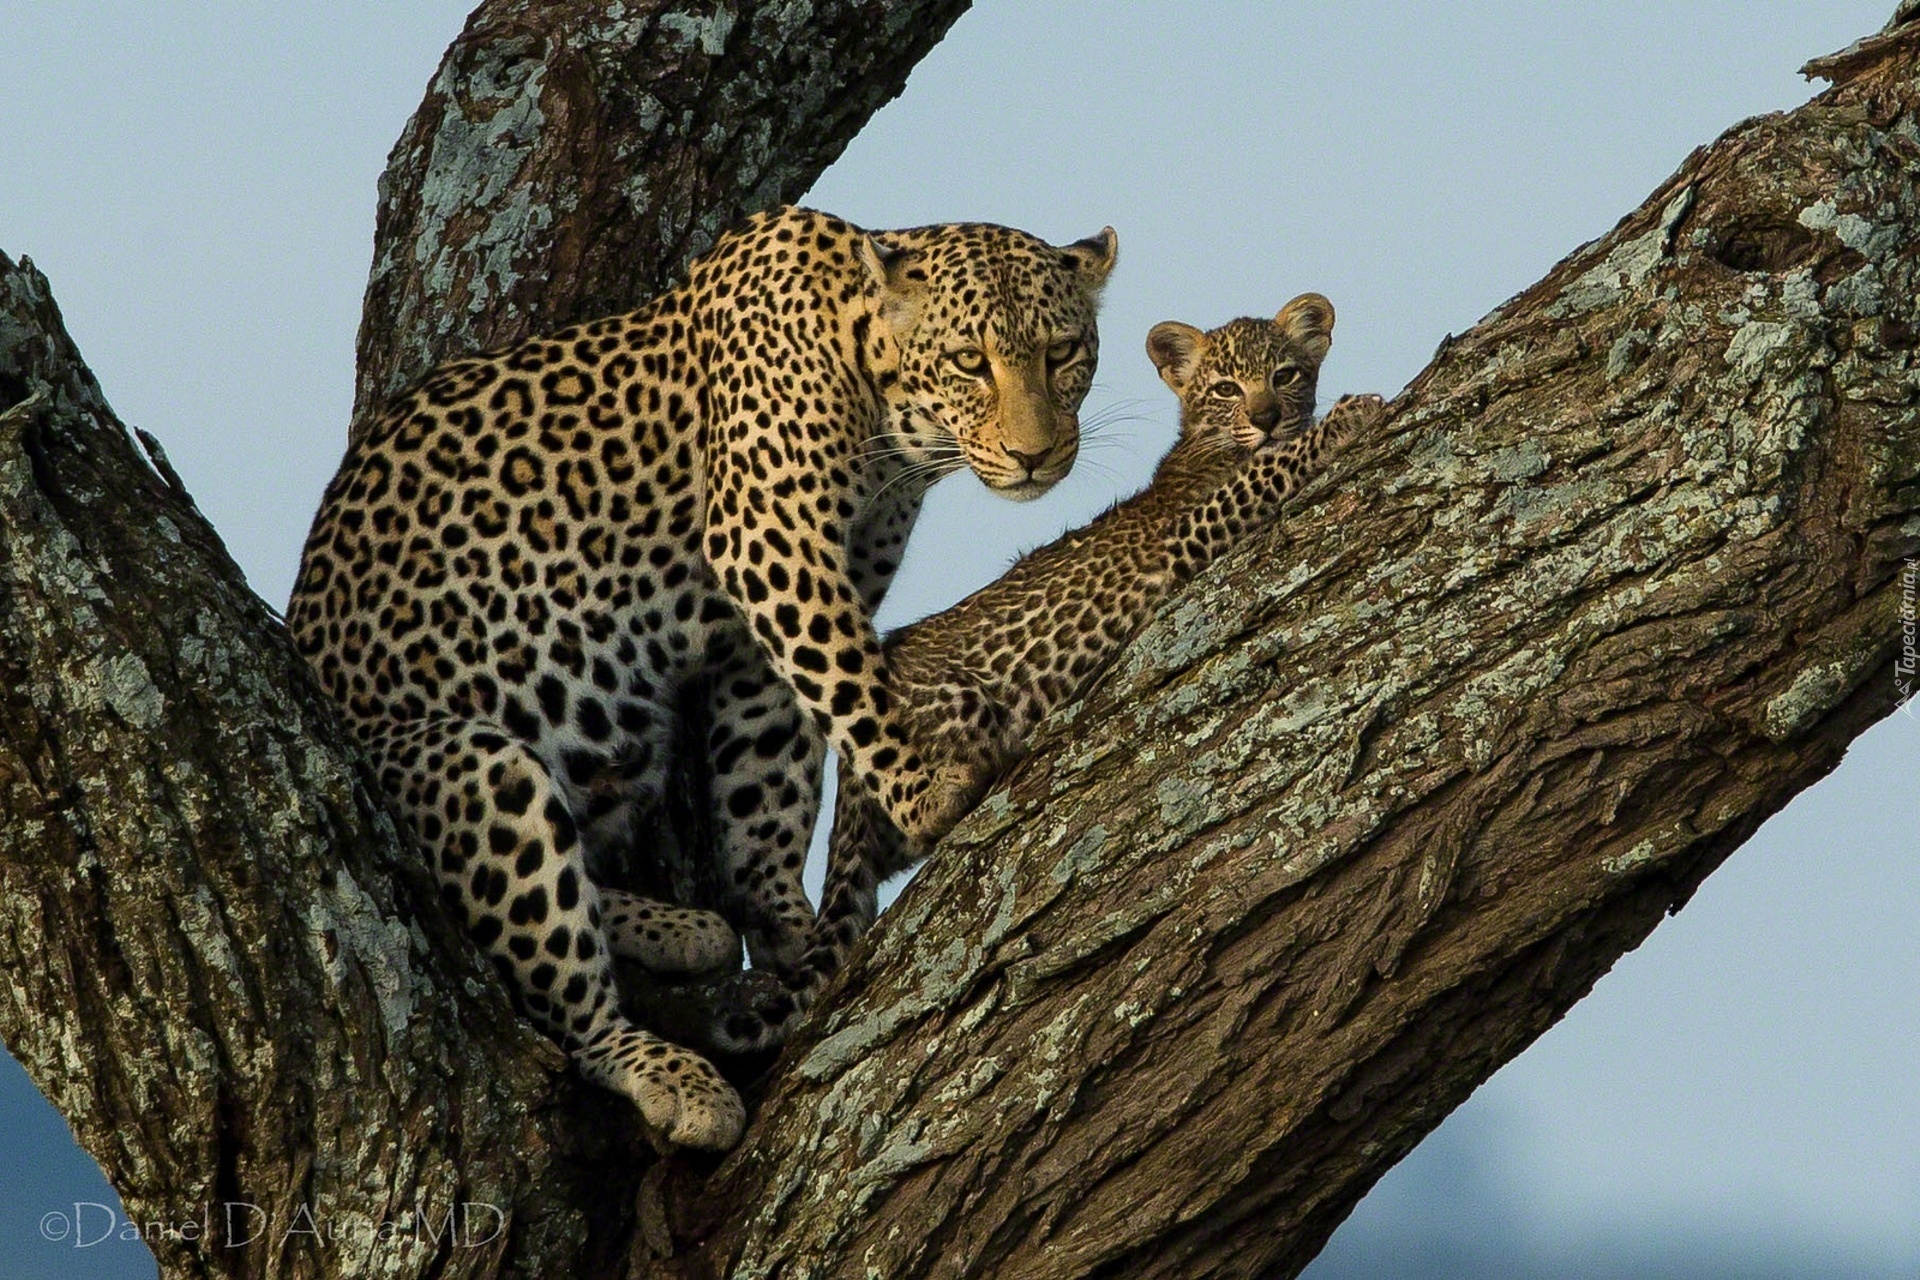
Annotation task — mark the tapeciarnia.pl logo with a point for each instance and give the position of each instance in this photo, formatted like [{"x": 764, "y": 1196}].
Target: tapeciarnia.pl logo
[{"x": 1904, "y": 665}]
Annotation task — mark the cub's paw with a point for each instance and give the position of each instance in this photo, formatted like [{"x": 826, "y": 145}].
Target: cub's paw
[
  {"x": 1353, "y": 416},
  {"x": 954, "y": 791}
]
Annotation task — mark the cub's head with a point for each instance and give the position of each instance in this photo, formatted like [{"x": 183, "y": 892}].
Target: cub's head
[
  {"x": 996, "y": 346},
  {"x": 1249, "y": 380}
]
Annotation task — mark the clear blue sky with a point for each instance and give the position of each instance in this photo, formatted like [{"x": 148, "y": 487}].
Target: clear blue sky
[{"x": 1736, "y": 1099}]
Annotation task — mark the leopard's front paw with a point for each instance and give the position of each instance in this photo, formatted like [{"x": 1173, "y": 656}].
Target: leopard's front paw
[{"x": 667, "y": 938}]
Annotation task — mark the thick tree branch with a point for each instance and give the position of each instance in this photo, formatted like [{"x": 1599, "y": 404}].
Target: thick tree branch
[
  {"x": 1365, "y": 813},
  {"x": 212, "y": 963}
]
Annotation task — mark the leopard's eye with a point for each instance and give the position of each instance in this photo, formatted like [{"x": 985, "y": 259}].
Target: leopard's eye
[
  {"x": 969, "y": 361},
  {"x": 1225, "y": 389},
  {"x": 1062, "y": 351},
  {"x": 1286, "y": 377}
]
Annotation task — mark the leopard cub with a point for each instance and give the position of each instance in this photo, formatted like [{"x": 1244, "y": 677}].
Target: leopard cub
[{"x": 975, "y": 681}]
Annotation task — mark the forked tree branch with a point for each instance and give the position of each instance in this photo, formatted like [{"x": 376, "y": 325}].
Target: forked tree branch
[
  {"x": 214, "y": 960},
  {"x": 1355, "y": 820}
]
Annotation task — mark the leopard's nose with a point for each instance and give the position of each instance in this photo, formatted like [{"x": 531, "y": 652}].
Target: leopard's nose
[
  {"x": 1264, "y": 415},
  {"x": 1031, "y": 461}
]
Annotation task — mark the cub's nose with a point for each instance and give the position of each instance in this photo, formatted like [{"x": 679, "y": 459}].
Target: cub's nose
[
  {"x": 1264, "y": 415},
  {"x": 1031, "y": 461}
]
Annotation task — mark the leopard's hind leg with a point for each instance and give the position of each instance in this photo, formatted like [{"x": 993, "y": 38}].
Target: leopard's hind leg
[
  {"x": 768, "y": 757},
  {"x": 500, "y": 836}
]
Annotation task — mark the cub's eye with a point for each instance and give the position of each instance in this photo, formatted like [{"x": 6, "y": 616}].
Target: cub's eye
[
  {"x": 1225, "y": 390},
  {"x": 1286, "y": 377},
  {"x": 969, "y": 361},
  {"x": 1062, "y": 351}
]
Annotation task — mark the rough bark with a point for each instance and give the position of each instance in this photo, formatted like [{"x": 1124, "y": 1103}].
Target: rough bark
[
  {"x": 1361, "y": 815},
  {"x": 214, "y": 960}
]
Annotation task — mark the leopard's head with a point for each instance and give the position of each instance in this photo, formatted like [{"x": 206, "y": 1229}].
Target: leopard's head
[
  {"x": 1249, "y": 381},
  {"x": 995, "y": 340}
]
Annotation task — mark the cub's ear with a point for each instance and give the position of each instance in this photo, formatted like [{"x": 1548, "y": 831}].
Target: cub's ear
[
  {"x": 1175, "y": 350},
  {"x": 1308, "y": 321},
  {"x": 1093, "y": 258},
  {"x": 892, "y": 270}
]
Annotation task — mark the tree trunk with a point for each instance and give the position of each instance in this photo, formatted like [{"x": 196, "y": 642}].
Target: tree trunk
[{"x": 1357, "y": 818}]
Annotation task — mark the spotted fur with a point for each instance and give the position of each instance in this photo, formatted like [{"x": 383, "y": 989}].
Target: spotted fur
[
  {"x": 976, "y": 680},
  {"x": 529, "y": 556}
]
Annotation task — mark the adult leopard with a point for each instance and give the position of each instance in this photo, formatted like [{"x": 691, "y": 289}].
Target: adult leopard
[{"x": 529, "y": 554}]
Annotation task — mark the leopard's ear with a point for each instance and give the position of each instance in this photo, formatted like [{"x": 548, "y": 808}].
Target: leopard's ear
[
  {"x": 895, "y": 272},
  {"x": 882, "y": 260},
  {"x": 1093, "y": 258},
  {"x": 1308, "y": 321},
  {"x": 1175, "y": 350}
]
